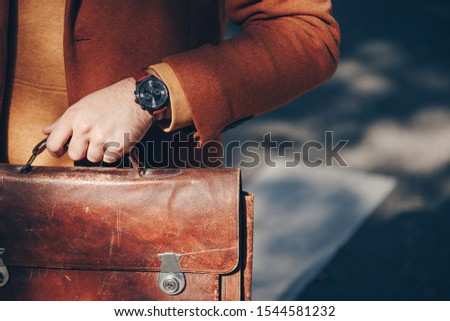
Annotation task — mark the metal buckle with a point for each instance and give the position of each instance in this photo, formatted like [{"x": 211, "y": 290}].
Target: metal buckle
[
  {"x": 170, "y": 279},
  {"x": 4, "y": 274}
]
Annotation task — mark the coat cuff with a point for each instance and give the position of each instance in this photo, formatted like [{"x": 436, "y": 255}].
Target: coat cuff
[{"x": 180, "y": 111}]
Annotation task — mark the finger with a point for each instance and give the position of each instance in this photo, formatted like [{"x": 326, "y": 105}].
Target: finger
[
  {"x": 47, "y": 130},
  {"x": 57, "y": 139},
  {"x": 95, "y": 152},
  {"x": 78, "y": 147},
  {"x": 112, "y": 152}
]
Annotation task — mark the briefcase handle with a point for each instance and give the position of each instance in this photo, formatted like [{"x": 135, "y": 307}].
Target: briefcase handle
[{"x": 42, "y": 145}]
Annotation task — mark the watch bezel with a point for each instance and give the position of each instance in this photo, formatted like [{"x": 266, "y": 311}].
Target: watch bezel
[{"x": 143, "y": 103}]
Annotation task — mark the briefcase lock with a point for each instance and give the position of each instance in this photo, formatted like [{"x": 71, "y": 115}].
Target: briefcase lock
[
  {"x": 4, "y": 275},
  {"x": 170, "y": 279}
]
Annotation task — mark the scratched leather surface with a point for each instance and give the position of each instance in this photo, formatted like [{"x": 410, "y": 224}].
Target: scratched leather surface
[
  {"x": 237, "y": 286},
  {"x": 88, "y": 219},
  {"x": 28, "y": 284},
  {"x": 248, "y": 250}
]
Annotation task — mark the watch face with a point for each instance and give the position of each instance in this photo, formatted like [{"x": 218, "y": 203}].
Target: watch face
[{"x": 152, "y": 94}]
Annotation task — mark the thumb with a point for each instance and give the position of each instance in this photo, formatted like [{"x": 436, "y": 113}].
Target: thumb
[{"x": 47, "y": 130}]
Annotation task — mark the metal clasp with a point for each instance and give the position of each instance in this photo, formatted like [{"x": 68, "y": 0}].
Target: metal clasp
[
  {"x": 170, "y": 279},
  {"x": 4, "y": 274}
]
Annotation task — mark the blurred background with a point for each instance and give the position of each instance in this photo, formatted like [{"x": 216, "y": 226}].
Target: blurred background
[{"x": 378, "y": 229}]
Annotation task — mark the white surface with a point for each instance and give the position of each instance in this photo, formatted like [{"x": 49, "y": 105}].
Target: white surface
[
  {"x": 302, "y": 217},
  {"x": 225, "y": 310}
]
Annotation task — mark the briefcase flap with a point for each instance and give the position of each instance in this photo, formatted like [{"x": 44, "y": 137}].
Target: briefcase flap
[{"x": 112, "y": 219}]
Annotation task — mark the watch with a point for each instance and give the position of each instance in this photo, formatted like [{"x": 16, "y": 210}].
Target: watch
[{"x": 151, "y": 93}]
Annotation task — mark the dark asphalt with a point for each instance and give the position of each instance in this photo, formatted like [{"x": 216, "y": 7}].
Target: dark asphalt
[{"x": 403, "y": 251}]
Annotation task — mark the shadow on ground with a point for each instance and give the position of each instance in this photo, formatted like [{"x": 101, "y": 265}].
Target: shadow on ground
[{"x": 404, "y": 258}]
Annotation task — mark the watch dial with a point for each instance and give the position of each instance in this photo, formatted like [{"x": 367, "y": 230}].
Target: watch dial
[{"x": 153, "y": 93}]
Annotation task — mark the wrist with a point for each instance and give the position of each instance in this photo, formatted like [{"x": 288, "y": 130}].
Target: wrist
[
  {"x": 152, "y": 93},
  {"x": 129, "y": 85},
  {"x": 179, "y": 115},
  {"x": 166, "y": 114}
]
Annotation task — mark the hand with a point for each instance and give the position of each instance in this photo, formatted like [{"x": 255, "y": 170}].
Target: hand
[{"x": 102, "y": 117}]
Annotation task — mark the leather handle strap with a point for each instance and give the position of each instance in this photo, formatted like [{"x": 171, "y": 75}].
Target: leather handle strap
[
  {"x": 38, "y": 149},
  {"x": 141, "y": 75},
  {"x": 42, "y": 145}
]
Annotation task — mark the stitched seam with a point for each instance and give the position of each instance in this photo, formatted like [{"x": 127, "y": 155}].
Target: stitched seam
[{"x": 40, "y": 86}]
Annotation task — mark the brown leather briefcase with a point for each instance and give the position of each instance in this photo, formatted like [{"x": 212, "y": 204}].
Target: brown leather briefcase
[{"x": 109, "y": 234}]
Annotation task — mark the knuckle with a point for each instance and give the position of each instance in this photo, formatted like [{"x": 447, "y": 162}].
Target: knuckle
[
  {"x": 82, "y": 127},
  {"x": 99, "y": 137},
  {"x": 74, "y": 154},
  {"x": 94, "y": 158},
  {"x": 52, "y": 146}
]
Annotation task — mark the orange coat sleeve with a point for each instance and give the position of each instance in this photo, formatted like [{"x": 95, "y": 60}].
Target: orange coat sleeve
[{"x": 285, "y": 48}]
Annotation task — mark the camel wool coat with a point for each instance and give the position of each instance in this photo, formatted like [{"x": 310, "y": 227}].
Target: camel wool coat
[{"x": 285, "y": 48}]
